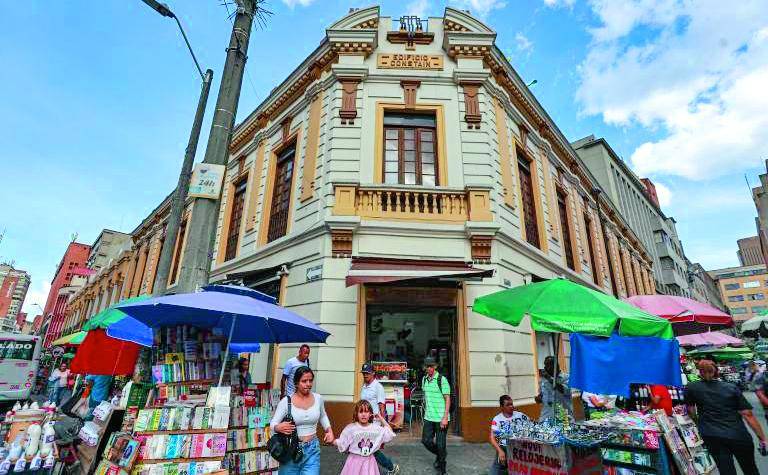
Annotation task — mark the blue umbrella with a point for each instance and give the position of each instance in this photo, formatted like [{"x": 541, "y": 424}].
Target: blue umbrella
[{"x": 248, "y": 316}]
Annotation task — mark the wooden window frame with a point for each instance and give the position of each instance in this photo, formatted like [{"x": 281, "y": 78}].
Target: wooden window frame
[
  {"x": 235, "y": 224},
  {"x": 181, "y": 239},
  {"x": 525, "y": 164},
  {"x": 441, "y": 151},
  {"x": 283, "y": 158},
  {"x": 591, "y": 248},
  {"x": 564, "y": 213},
  {"x": 269, "y": 184},
  {"x": 418, "y": 171}
]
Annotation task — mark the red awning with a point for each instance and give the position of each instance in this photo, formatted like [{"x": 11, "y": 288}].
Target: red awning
[{"x": 380, "y": 270}]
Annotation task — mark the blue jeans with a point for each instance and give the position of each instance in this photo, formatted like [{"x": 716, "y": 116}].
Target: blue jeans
[
  {"x": 498, "y": 468},
  {"x": 383, "y": 460},
  {"x": 309, "y": 463}
]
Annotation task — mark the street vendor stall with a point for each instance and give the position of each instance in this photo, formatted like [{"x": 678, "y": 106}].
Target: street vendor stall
[
  {"x": 633, "y": 347},
  {"x": 186, "y": 421}
]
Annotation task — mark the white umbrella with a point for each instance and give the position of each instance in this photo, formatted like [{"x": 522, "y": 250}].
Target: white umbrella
[{"x": 753, "y": 324}]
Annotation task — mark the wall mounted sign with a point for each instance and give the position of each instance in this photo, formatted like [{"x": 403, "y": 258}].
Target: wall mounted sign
[
  {"x": 314, "y": 273},
  {"x": 432, "y": 62},
  {"x": 206, "y": 181}
]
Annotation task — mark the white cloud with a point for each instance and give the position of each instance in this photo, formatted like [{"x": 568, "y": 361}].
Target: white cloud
[
  {"x": 664, "y": 194},
  {"x": 418, "y": 8},
  {"x": 695, "y": 72},
  {"x": 302, "y": 3},
  {"x": 36, "y": 294},
  {"x": 559, "y": 3},
  {"x": 523, "y": 43},
  {"x": 480, "y": 8}
]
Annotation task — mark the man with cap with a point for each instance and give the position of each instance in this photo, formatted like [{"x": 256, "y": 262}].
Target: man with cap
[
  {"x": 373, "y": 392},
  {"x": 437, "y": 400}
]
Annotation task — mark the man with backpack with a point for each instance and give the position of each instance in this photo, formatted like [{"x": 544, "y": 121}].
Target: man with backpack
[{"x": 437, "y": 401}]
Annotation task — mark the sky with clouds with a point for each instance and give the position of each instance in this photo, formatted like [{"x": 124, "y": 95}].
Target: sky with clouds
[{"x": 98, "y": 99}]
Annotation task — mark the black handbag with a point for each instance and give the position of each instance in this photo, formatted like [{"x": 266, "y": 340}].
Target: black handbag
[{"x": 285, "y": 448}]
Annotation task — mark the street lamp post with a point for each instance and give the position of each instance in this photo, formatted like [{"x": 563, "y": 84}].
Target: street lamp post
[{"x": 180, "y": 194}]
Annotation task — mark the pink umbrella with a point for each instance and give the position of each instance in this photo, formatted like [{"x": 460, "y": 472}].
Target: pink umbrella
[
  {"x": 686, "y": 315},
  {"x": 709, "y": 338}
]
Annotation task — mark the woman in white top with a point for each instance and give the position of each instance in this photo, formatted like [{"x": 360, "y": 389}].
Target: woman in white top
[{"x": 307, "y": 409}]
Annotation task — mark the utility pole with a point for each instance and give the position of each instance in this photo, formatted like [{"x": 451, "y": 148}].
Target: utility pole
[
  {"x": 180, "y": 195},
  {"x": 201, "y": 228}
]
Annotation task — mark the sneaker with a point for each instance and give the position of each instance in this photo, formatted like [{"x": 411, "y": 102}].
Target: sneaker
[{"x": 395, "y": 470}]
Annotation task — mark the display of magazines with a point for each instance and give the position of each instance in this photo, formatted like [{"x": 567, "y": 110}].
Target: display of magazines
[
  {"x": 249, "y": 432},
  {"x": 685, "y": 443}
]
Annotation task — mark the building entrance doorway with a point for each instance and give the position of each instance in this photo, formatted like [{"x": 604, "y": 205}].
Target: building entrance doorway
[{"x": 405, "y": 325}]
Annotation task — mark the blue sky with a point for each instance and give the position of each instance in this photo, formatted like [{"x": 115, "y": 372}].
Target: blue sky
[{"x": 98, "y": 98}]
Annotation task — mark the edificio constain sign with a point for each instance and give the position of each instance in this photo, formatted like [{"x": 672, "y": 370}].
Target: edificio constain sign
[
  {"x": 410, "y": 61},
  {"x": 206, "y": 181}
]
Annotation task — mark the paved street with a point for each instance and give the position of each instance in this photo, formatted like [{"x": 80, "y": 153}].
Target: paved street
[
  {"x": 762, "y": 462},
  {"x": 466, "y": 458},
  {"x": 413, "y": 458}
]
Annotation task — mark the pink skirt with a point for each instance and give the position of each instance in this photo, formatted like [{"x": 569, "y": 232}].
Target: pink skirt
[{"x": 359, "y": 465}]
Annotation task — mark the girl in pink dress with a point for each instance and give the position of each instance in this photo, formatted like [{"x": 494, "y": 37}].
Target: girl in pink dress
[{"x": 362, "y": 438}]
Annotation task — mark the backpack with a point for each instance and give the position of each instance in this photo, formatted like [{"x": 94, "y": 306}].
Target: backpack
[{"x": 439, "y": 382}]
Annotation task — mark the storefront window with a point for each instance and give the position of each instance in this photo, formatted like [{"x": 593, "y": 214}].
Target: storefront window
[{"x": 410, "y": 149}]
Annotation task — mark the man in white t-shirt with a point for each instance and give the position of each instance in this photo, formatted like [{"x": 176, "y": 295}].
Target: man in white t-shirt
[
  {"x": 373, "y": 392},
  {"x": 287, "y": 387},
  {"x": 502, "y": 424}
]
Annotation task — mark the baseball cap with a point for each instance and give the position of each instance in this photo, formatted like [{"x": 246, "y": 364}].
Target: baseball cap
[{"x": 367, "y": 368}]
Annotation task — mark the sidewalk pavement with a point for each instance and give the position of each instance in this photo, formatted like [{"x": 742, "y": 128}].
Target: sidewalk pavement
[
  {"x": 468, "y": 458},
  {"x": 413, "y": 458}
]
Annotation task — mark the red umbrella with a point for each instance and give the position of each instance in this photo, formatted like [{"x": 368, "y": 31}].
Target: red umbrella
[
  {"x": 102, "y": 354},
  {"x": 687, "y": 316}
]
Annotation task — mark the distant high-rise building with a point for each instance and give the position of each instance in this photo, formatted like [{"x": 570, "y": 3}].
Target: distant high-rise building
[
  {"x": 13, "y": 289},
  {"x": 743, "y": 289},
  {"x": 65, "y": 282},
  {"x": 760, "y": 196},
  {"x": 749, "y": 251}
]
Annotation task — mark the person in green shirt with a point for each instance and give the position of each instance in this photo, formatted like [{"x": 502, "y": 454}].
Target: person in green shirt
[{"x": 437, "y": 400}]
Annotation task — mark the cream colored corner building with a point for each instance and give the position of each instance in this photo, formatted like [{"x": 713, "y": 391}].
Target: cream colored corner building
[{"x": 415, "y": 165}]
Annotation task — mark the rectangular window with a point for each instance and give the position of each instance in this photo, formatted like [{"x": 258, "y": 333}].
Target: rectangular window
[
  {"x": 752, "y": 284},
  {"x": 759, "y": 296},
  {"x": 566, "y": 232},
  {"x": 735, "y": 286},
  {"x": 736, "y": 298},
  {"x": 179, "y": 246},
  {"x": 758, "y": 308},
  {"x": 667, "y": 263},
  {"x": 738, "y": 310},
  {"x": 590, "y": 246},
  {"x": 233, "y": 234},
  {"x": 529, "y": 203},
  {"x": 410, "y": 150},
  {"x": 281, "y": 196}
]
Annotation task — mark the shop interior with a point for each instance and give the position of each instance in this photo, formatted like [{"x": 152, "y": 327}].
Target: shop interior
[{"x": 400, "y": 335}]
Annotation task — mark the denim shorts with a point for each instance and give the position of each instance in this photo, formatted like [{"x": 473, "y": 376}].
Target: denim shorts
[{"x": 309, "y": 463}]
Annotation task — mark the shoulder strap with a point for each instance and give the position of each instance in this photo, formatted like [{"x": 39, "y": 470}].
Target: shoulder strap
[{"x": 288, "y": 414}]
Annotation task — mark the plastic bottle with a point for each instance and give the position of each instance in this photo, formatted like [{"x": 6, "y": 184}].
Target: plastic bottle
[
  {"x": 20, "y": 465},
  {"x": 49, "y": 435},
  {"x": 33, "y": 440},
  {"x": 16, "y": 407},
  {"x": 25, "y": 407},
  {"x": 15, "y": 453},
  {"x": 50, "y": 461},
  {"x": 34, "y": 405},
  {"x": 5, "y": 466},
  {"x": 9, "y": 415},
  {"x": 36, "y": 462}
]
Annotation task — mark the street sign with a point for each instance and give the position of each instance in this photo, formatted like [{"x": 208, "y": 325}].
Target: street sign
[{"x": 206, "y": 181}]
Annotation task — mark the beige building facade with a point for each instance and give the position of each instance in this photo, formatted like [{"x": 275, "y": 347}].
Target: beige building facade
[
  {"x": 744, "y": 290},
  {"x": 401, "y": 171}
]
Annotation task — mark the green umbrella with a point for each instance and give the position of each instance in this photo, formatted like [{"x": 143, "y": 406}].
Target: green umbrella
[
  {"x": 725, "y": 354},
  {"x": 110, "y": 315},
  {"x": 559, "y": 305},
  {"x": 71, "y": 339}
]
